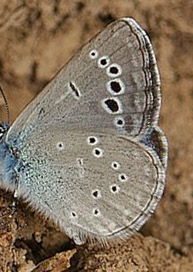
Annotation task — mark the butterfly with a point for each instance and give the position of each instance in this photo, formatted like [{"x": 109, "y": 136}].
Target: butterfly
[{"x": 87, "y": 152}]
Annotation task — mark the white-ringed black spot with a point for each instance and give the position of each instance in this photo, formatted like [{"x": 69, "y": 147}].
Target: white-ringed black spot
[
  {"x": 96, "y": 194},
  {"x": 73, "y": 215},
  {"x": 116, "y": 86},
  {"x": 123, "y": 177},
  {"x": 115, "y": 165},
  {"x": 114, "y": 188},
  {"x": 103, "y": 62},
  {"x": 93, "y": 54},
  {"x": 60, "y": 146},
  {"x": 92, "y": 140},
  {"x": 97, "y": 152},
  {"x": 119, "y": 121},
  {"x": 114, "y": 70},
  {"x": 96, "y": 212},
  {"x": 112, "y": 105}
]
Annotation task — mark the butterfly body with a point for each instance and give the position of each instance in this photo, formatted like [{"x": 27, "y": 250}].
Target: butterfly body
[{"x": 87, "y": 152}]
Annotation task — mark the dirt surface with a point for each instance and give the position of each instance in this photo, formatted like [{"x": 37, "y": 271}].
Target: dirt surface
[{"x": 37, "y": 38}]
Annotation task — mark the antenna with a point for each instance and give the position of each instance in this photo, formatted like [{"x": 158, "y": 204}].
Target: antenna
[{"x": 6, "y": 104}]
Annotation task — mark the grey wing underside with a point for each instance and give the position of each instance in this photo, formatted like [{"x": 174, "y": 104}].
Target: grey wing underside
[
  {"x": 79, "y": 103},
  {"x": 100, "y": 195},
  {"x": 79, "y": 97}
]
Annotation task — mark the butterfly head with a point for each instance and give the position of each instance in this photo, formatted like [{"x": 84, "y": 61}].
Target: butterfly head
[{"x": 7, "y": 160}]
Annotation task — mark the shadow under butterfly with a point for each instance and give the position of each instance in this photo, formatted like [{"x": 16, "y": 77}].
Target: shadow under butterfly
[{"x": 87, "y": 152}]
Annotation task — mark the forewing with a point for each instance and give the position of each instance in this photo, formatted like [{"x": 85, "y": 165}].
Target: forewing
[{"x": 111, "y": 85}]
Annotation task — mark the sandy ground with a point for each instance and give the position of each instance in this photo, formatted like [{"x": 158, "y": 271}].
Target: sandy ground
[{"x": 37, "y": 38}]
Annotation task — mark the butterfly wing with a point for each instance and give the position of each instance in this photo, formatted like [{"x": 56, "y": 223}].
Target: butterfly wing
[
  {"x": 111, "y": 85},
  {"x": 85, "y": 156},
  {"x": 94, "y": 185}
]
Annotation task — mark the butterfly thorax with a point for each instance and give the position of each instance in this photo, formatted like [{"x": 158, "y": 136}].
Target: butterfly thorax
[{"x": 9, "y": 159}]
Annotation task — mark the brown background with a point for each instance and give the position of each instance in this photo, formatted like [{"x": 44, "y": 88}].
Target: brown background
[{"x": 36, "y": 39}]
